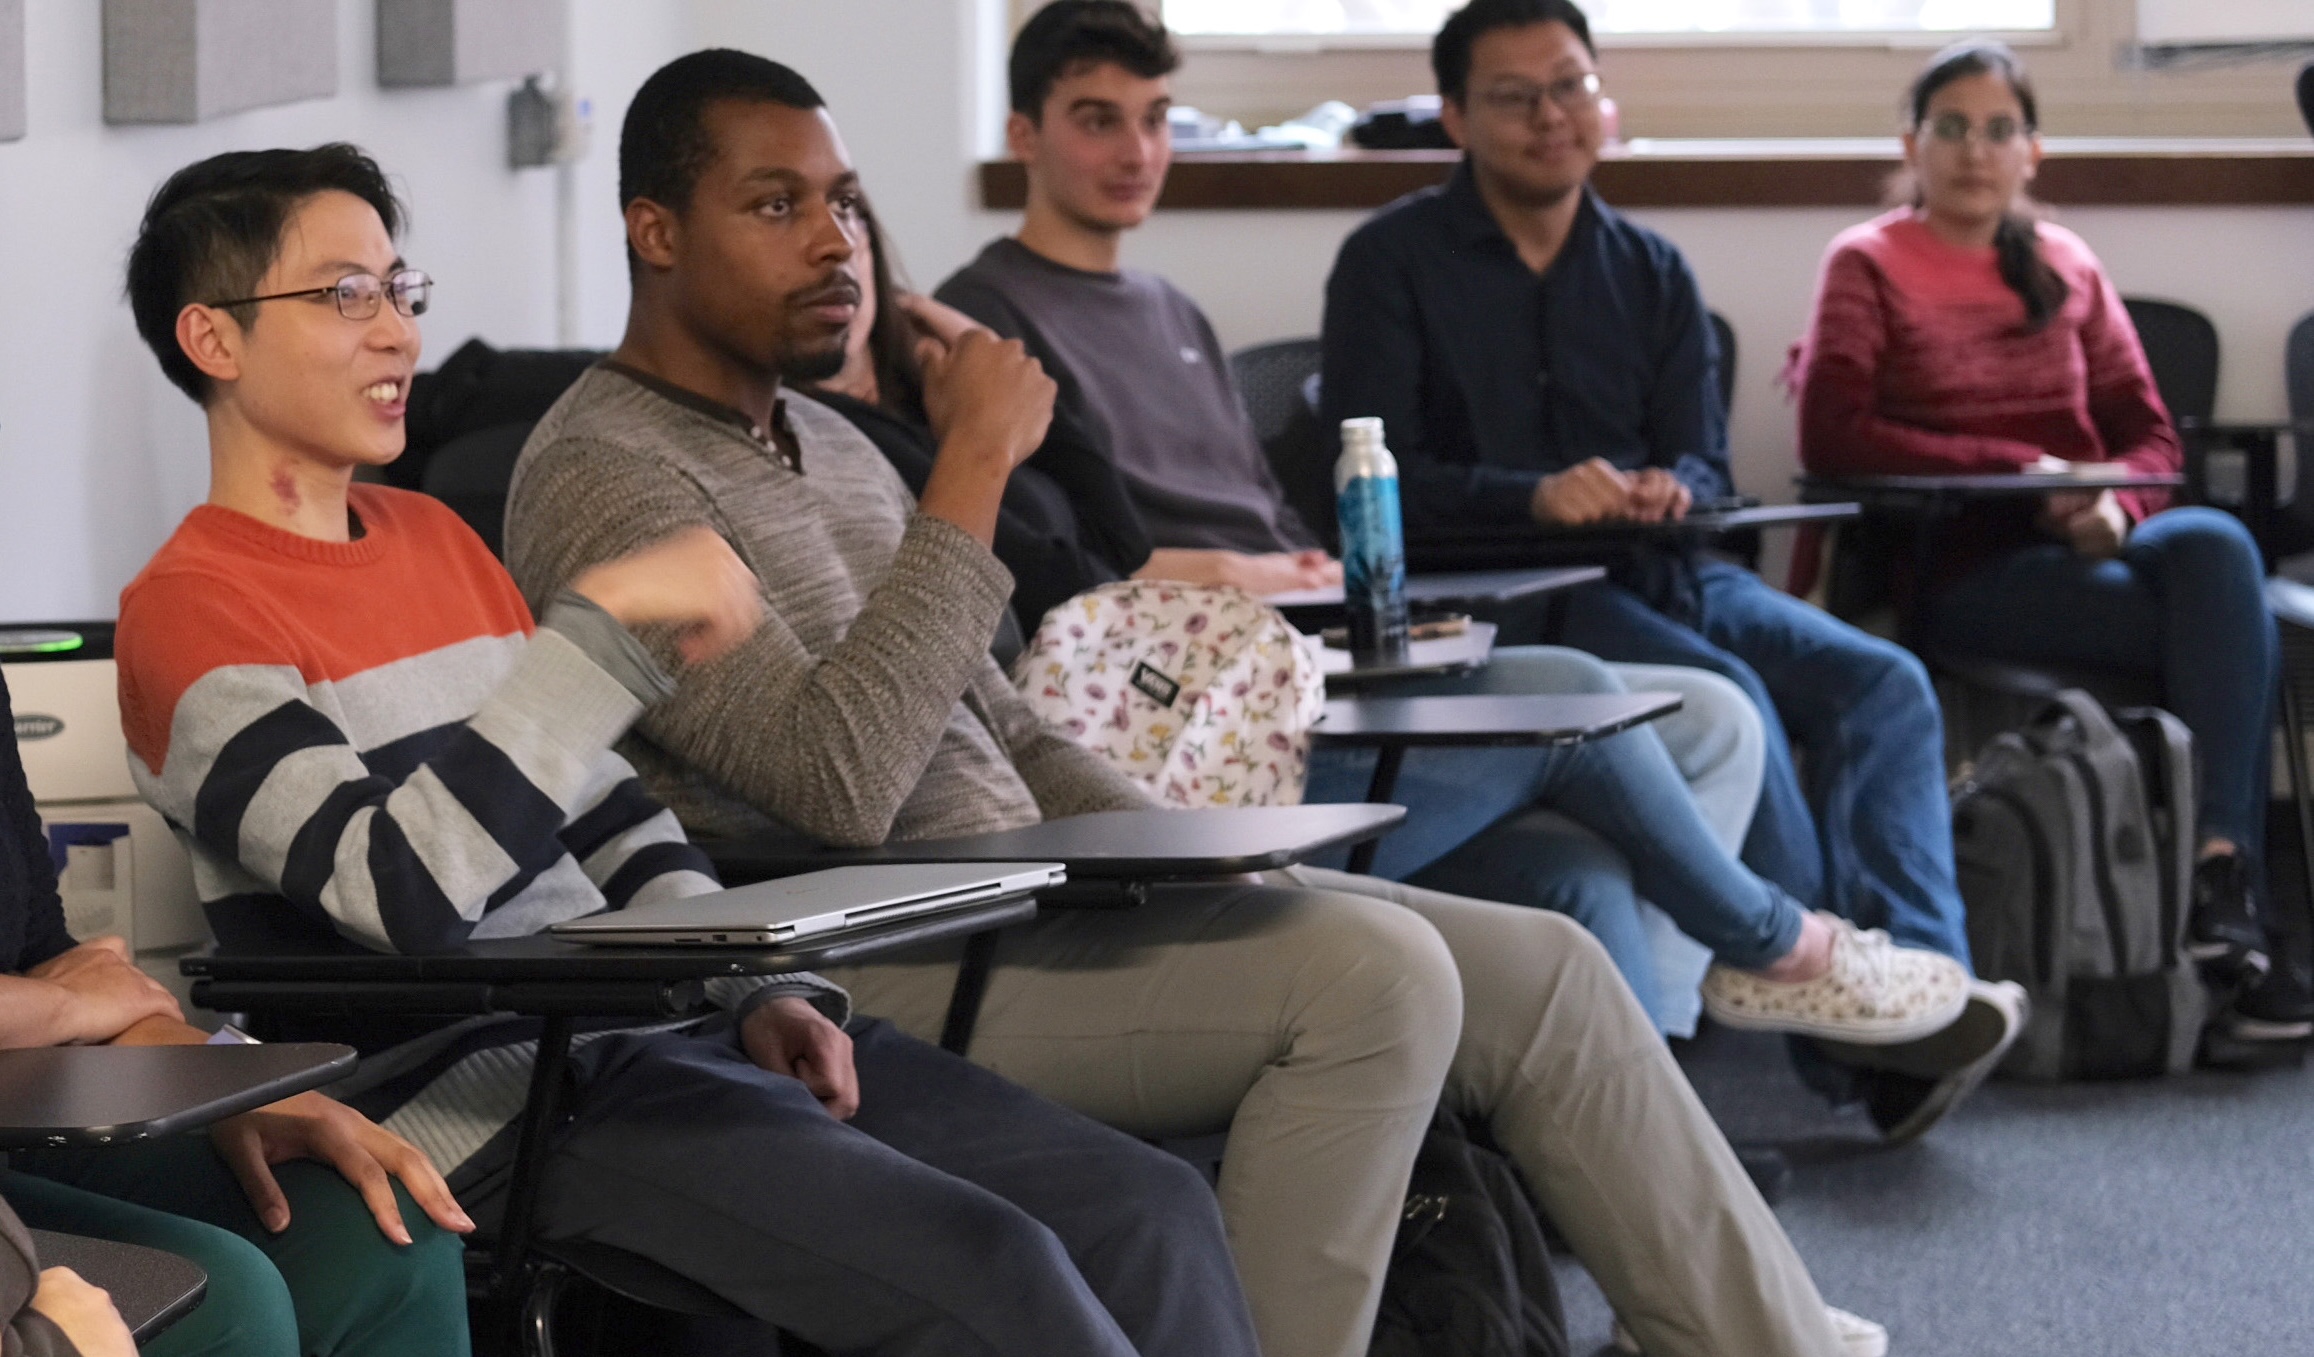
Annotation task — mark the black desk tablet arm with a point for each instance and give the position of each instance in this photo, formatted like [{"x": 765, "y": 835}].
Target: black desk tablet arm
[{"x": 558, "y": 983}]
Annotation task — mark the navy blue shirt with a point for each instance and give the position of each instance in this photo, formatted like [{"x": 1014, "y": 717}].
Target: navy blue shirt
[
  {"x": 1488, "y": 377},
  {"x": 31, "y": 916}
]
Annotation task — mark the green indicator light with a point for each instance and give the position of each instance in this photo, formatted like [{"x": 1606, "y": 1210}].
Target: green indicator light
[{"x": 40, "y": 642}]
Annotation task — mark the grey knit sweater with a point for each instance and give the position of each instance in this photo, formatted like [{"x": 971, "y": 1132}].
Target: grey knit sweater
[{"x": 867, "y": 707}]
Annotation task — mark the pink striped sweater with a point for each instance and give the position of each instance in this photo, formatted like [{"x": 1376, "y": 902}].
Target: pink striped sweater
[{"x": 1918, "y": 362}]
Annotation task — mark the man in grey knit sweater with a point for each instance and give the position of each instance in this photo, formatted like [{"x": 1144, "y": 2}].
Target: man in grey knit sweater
[{"x": 1318, "y": 1019}]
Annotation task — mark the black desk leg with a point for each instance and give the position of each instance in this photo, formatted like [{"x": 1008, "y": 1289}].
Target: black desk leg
[
  {"x": 1909, "y": 625},
  {"x": 1386, "y": 764},
  {"x": 971, "y": 988},
  {"x": 2294, "y": 730},
  {"x": 538, "y": 1117}
]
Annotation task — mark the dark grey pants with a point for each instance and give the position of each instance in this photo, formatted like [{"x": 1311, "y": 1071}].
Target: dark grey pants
[{"x": 956, "y": 1214}]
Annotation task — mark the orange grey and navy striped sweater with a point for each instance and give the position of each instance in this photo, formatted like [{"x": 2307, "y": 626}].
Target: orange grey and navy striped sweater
[{"x": 371, "y": 738}]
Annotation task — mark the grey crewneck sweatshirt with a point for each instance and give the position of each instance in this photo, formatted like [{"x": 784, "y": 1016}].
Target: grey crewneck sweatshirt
[{"x": 866, "y": 707}]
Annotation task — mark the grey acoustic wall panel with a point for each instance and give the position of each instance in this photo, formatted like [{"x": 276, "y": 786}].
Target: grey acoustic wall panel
[
  {"x": 180, "y": 61},
  {"x": 451, "y": 42},
  {"x": 11, "y": 69}
]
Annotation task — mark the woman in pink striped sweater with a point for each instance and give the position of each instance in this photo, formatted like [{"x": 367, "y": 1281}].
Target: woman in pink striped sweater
[{"x": 1958, "y": 334}]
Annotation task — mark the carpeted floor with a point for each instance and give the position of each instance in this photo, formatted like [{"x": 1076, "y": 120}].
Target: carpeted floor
[{"x": 2162, "y": 1219}]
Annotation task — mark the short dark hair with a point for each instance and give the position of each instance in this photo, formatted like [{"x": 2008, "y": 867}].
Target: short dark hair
[
  {"x": 1067, "y": 34},
  {"x": 214, "y": 229},
  {"x": 664, "y": 144},
  {"x": 1450, "y": 50}
]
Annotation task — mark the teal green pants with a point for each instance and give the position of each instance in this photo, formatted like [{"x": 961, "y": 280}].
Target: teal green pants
[{"x": 329, "y": 1286}]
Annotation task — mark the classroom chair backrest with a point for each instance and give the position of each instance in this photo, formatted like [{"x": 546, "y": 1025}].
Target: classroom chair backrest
[
  {"x": 468, "y": 421},
  {"x": 1272, "y": 380},
  {"x": 1278, "y": 382},
  {"x": 2181, "y": 345},
  {"x": 1726, "y": 335},
  {"x": 2298, "y": 367}
]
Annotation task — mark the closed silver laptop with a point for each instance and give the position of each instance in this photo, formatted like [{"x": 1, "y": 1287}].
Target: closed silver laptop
[{"x": 774, "y": 913}]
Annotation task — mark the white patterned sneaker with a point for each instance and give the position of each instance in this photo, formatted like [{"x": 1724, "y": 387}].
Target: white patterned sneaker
[
  {"x": 1875, "y": 993},
  {"x": 1859, "y": 1337}
]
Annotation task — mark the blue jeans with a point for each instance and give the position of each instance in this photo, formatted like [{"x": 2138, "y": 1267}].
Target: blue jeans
[
  {"x": 2183, "y": 604},
  {"x": 1492, "y": 823},
  {"x": 956, "y": 1214},
  {"x": 1868, "y": 834}
]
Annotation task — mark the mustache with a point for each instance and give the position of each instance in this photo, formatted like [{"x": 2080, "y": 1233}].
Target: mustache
[{"x": 839, "y": 289}]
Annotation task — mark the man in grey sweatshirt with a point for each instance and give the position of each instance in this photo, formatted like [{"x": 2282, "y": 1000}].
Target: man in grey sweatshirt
[{"x": 1318, "y": 1019}]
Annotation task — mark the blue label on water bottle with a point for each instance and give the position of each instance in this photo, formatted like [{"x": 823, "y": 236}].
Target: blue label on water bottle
[{"x": 1373, "y": 565}]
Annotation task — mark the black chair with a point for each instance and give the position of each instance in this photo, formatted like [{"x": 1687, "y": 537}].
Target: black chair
[
  {"x": 467, "y": 423},
  {"x": 472, "y": 474},
  {"x": 2234, "y": 468},
  {"x": 1273, "y": 381},
  {"x": 2181, "y": 346},
  {"x": 1726, "y": 335},
  {"x": 2306, "y": 94},
  {"x": 2298, "y": 368},
  {"x": 1743, "y": 546},
  {"x": 1278, "y": 383}
]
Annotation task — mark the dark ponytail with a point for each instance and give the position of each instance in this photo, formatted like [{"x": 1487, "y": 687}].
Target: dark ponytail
[
  {"x": 2017, "y": 242},
  {"x": 2017, "y": 245}
]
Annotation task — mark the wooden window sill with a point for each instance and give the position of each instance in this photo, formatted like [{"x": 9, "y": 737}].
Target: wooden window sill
[{"x": 2079, "y": 171}]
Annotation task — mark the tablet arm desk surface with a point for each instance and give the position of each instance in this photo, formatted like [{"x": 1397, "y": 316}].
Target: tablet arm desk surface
[
  {"x": 109, "y": 1095},
  {"x": 557, "y": 981},
  {"x": 151, "y": 1288}
]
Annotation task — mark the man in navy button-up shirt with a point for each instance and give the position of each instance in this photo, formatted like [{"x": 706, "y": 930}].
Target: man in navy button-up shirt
[
  {"x": 1537, "y": 358},
  {"x": 1491, "y": 376}
]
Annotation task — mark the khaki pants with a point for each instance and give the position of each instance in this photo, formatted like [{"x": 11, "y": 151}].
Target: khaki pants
[{"x": 1318, "y": 1020}]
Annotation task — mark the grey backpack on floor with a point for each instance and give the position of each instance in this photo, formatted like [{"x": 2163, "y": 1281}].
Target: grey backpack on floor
[{"x": 2073, "y": 835}]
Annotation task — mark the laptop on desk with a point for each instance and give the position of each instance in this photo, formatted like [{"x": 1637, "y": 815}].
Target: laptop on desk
[
  {"x": 814, "y": 905},
  {"x": 1110, "y": 845}
]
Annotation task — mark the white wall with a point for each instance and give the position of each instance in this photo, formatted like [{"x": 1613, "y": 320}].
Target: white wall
[
  {"x": 99, "y": 457},
  {"x": 917, "y": 89}
]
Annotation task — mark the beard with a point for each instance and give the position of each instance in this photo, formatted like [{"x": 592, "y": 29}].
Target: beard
[{"x": 806, "y": 362}]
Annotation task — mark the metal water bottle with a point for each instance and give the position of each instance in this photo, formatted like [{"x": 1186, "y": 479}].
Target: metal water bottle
[{"x": 1373, "y": 544}]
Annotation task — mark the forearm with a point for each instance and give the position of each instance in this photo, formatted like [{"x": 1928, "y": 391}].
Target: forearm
[
  {"x": 36, "y": 1013},
  {"x": 1187, "y": 565},
  {"x": 1065, "y": 778},
  {"x": 1068, "y": 780},
  {"x": 161, "y": 1031},
  {"x": 966, "y": 487},
  {"x": 833, "y": 744}
]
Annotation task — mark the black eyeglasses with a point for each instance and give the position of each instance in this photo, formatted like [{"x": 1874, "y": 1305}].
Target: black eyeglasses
[{"x": 360, "y": 295}]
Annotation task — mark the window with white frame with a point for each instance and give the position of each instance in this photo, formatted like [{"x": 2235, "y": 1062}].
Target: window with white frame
[{"x": 1410, "y": 18}]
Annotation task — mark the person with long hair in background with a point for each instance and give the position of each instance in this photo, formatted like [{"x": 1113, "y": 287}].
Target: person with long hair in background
[{"x": 1959, "y": 333}]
